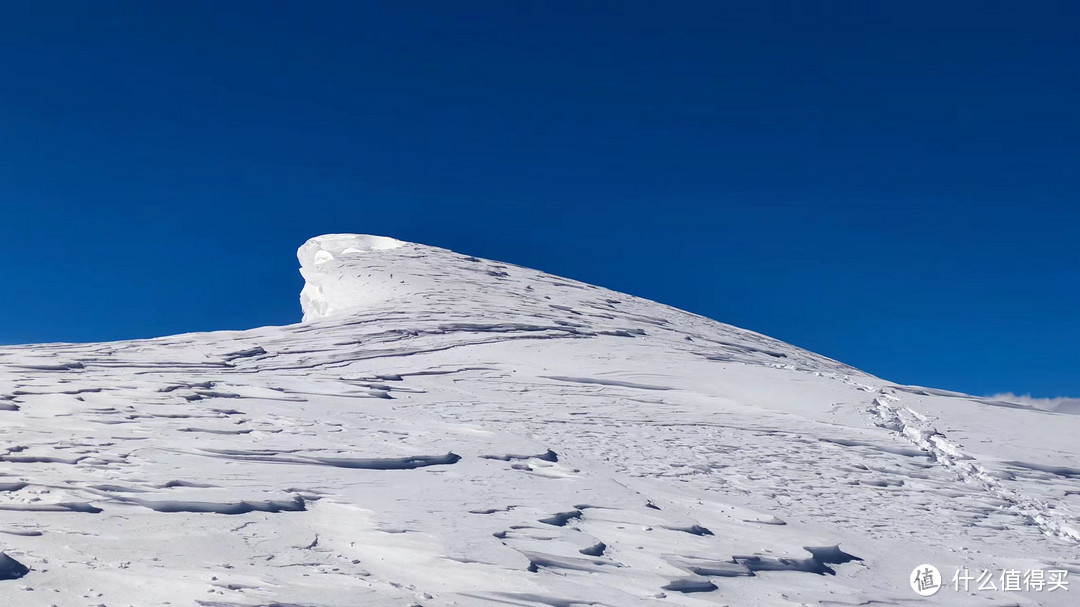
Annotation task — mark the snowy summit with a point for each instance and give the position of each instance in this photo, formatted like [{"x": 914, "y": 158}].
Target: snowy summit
[
  {"x": 326, "y": 292},
  {"x": 447, "y": 430}
]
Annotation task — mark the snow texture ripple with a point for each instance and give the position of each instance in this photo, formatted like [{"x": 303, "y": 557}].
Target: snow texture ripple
[{"x": 447, "y": 430}]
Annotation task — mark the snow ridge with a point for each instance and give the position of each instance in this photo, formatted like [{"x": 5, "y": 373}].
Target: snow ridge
[{"x": 449, "y": 431}]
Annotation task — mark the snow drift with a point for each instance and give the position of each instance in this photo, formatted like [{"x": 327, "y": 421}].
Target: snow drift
[
  {"x": 327, "y": 289},
  {"x": 444, "y": 430}
]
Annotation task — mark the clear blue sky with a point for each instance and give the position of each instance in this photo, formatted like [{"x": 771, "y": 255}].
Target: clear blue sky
[{"x": 893, "y": 184}]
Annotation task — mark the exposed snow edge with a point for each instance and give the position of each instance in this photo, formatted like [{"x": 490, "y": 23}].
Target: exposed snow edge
[
  {"x": 315, "y": 300},
  {"x": 321, "y": 249}
]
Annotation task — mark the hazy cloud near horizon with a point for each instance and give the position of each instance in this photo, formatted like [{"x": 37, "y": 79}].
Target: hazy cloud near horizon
[{"x": 1060, "y": 404}]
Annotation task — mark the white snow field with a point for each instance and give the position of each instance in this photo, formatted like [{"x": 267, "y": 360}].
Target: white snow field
[{"x": 446, "y": 430}]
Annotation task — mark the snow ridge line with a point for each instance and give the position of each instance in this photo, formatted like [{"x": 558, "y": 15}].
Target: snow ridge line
[{"x": 917, "y": 428}]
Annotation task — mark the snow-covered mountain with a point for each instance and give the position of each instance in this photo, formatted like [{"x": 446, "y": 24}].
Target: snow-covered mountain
[{"x": 447, "y": 430}]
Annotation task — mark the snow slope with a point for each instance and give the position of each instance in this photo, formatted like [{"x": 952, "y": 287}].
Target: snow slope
[{"x": 446, "y": 430}]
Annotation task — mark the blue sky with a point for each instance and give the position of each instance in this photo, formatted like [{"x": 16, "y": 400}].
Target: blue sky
[{"x": 894, "y": 185}]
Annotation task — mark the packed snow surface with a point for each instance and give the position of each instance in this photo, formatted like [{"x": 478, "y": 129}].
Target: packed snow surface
[{"x": 447, "y": 430}]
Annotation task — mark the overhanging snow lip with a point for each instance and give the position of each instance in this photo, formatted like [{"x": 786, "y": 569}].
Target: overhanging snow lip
[{"x": 326, "y": 247}]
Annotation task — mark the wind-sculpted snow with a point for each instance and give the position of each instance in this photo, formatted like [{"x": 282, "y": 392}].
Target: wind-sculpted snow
[
  {"x": 447, "y": 430},
  {"x": 10, "y": 569},
  {"x": 327, "y": 290}
]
